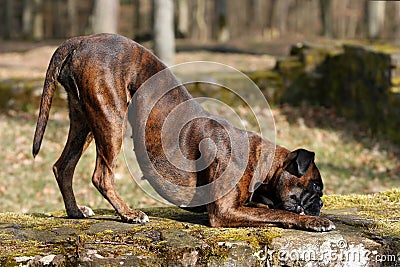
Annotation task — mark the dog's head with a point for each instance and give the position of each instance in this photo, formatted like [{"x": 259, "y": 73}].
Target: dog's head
[
  {"x": 296, "y": 186},
  {"x": 299, "y": 184}
]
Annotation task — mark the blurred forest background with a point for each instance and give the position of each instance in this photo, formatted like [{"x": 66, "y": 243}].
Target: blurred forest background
[
  {"x": 201, "y": 20},
  {"x": 258, "y": 37}
]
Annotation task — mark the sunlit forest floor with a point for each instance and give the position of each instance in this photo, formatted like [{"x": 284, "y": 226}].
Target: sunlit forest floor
[{"x": 349, "y": 159}]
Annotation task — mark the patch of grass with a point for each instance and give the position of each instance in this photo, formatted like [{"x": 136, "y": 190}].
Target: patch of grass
[
  {"x": 28, "y": 185},
  {"x": 349, "y": 160}
]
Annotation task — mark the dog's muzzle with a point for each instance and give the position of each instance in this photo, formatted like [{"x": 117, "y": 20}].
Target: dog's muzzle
[
  {"x": 306, "y": 203},
  {"x": 310, "y": 202}
]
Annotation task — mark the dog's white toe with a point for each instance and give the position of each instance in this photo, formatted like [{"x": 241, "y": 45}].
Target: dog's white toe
[
  {"x": 88, "y": 212},
  {"x": 143, "y": 218}
]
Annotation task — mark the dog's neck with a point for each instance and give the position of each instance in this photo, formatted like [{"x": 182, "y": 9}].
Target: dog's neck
[{"x": 274, "y": 163}]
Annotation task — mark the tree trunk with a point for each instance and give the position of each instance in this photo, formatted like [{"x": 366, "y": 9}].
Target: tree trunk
[
  {"x": 73, "y": 22},
  {"x": 396, "y": 32},
  {"x": 200, "y": 21},
  {"x": 164, "y": 38},
  {"x": 375, "y": 18},
  {"x": 280, "y": 13},
  {"x": 37, "y": 27},
  {"x": 9, "y": 19},
  {"x": 183, "y": 17},
  {"x": 256, "y": 14},
  {"x": 136, "y": 17},
  {"x": 27, "y": 18},
  {"x": 58, "y": 30},
  {"x": 222, "y": 31},
  {"x": 105, "y": 16},
  {"x": 326, "y": 17}
]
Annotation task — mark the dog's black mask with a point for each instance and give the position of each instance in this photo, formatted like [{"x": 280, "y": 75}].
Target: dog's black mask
[
  {"x": 298, "y": 188},
  {"x": 300, "y": 184}
]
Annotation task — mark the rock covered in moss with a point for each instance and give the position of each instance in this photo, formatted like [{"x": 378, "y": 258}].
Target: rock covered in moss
[
  {"x": 361, "y": 81},
  {"x": 175, "y": 237}
]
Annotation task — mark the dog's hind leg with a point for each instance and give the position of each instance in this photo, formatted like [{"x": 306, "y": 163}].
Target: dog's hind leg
[
  {"x": 108, "y": 134},
  {"x": 79, "y": 137}
]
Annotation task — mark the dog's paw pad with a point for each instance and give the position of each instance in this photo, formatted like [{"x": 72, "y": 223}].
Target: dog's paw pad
[{"x": 87, "y": 212}]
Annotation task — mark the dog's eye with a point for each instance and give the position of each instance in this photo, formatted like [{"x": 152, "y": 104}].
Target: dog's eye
[{"x": 316, "y": 187}]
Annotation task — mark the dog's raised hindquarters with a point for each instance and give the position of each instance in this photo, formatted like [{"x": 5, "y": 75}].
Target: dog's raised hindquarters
[{"x": 101, "y": 74}]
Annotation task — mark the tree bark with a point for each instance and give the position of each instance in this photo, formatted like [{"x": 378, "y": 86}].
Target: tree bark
[
  {"x": 136, "y": 17},
  {"x": 9, "y": 19},
  {"x": 58, "y": 30},
  {"x": 222, "y": 31},
  {"x": 73, "y": 22},
  {"x": 280, "y": 13},
  {"x": 164, "y": 37},
  {"x": 105, "y": 16},
  {"x": 326, "y": 17},
  {"x": 375, "y": 18},
  {"x": 183, "y": 17},
  {"x": 37, "y": 28},
  {"x": 256, "y": 14},
  {"x": 200, "y": 21},
  {"x": 27, "y": 18},
  {"x": 396, "y": 32}
]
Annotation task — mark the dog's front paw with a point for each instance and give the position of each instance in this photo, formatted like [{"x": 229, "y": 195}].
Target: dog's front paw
[
  {"x": 317, "y": 224},
  {"x": 87, "y": 212},
  {"x": 135, "y": 216}
]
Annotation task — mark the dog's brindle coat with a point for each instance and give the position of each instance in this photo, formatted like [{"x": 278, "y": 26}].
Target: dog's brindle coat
[{"x": 101, "y": 74}]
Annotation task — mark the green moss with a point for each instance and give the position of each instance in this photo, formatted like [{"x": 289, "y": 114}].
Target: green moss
[
  {"x": 255, "y": 237},
  {"x": 29, "y": 220},
  {"x": 16, "y": 248},
  {"x": 385, "y": 48},
  {"x": 264, "y": 74},
  {"x": 386, "y": 198},
  {"x": 163, "y": 220},
  {"x": 396, "y": 81},
  {"x": 382, "y": 208},
  {"x": 290, "y": 67},
  {"x": 42, "y": 222},
  {"x": 339, "y": 76}
]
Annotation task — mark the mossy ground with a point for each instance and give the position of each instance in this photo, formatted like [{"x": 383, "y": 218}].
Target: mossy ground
[
  {"x": 109, "y": 237},
  {"x": 383, "y": 209},
  {"x": 171, "y": 232}
]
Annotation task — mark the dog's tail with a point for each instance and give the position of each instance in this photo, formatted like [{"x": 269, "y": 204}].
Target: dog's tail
[{"x": 49, "y": 87}]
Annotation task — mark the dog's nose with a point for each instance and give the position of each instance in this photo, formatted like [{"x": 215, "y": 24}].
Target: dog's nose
[{"x": 321, "y": 203}]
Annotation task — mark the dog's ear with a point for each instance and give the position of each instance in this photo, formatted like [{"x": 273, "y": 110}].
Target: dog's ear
[{"x": 297, "y": 162}]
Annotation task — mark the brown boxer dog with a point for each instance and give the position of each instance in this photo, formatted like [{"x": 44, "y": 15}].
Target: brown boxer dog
[{"x": 102, "y": 74}]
